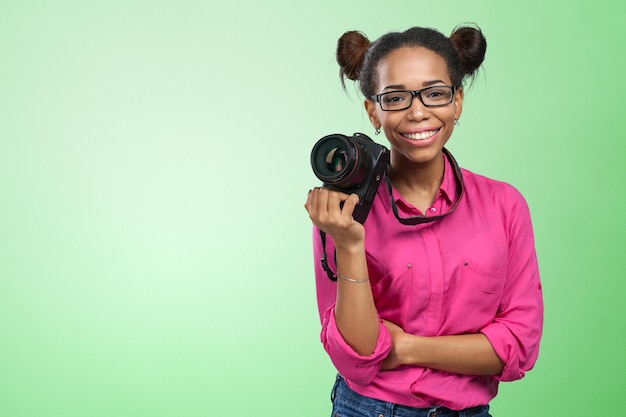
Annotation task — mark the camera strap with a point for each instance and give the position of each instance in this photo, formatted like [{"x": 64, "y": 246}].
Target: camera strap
[
  {"x": 409, "y": 221},
  {"x": 331, "y": 275},
  {"x": 460, "y": 188}
]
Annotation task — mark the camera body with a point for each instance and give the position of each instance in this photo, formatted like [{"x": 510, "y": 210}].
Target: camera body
[{"x": 351, "y": 164}]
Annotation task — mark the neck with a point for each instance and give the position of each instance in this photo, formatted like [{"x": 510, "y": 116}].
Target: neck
[{"x": 418, "y": 183}]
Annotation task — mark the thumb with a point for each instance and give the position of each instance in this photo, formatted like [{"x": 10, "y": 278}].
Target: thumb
[{"x": 350, "y": 203}]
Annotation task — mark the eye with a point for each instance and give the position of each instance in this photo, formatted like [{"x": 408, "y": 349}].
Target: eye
[
  {"x": 394, "y": 97},
  {"x": 437, "y": 93}
]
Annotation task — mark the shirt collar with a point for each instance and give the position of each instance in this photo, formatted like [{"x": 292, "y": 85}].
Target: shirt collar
[{"x": 447, "y": 191}]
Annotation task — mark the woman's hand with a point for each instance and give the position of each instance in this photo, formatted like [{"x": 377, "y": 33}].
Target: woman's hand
[
  {"x": 398, "y": 337},
  {"x": 327, "y": 213}
]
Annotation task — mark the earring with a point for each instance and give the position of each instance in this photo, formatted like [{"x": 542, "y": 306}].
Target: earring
[
  {"x": 377, "y": 131},
  {"x": 456, "y": 122}
]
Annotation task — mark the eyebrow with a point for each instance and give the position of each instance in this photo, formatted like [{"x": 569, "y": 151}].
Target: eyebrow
[{"x": 403, "y": 87}]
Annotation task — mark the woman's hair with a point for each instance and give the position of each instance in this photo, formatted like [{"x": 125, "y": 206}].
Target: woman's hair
[{"x": 358, "y": 58}]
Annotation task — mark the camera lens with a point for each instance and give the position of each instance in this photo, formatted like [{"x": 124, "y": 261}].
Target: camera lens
[{"x": 338, "y": 160}]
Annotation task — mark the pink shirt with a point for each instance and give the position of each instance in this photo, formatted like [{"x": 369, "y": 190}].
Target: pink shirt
[{"x": 474, "y": 271}]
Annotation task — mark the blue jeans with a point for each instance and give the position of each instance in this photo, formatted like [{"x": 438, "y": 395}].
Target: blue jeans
[{"x": 347, "y": 403}]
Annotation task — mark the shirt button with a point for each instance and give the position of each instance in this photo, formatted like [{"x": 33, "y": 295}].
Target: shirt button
[
  {"x": 409, "y": 266},
  {"x": 432, "y": 210}
]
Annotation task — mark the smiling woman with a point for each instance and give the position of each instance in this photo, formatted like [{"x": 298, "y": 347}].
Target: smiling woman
[{"x": 427, "y": 316}]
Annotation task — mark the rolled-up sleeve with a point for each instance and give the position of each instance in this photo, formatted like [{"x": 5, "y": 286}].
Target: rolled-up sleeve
[
  {"x": 360, "y": 370},
  {"x": 517, "y": 327}
]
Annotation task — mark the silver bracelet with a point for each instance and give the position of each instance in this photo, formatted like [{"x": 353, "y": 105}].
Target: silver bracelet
[{"x": 358, "y": 281}]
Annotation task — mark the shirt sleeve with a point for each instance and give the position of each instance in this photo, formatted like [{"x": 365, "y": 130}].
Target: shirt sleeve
[
  {"x": 358, "y": 369},
  {"x": 517, "y": 327}
]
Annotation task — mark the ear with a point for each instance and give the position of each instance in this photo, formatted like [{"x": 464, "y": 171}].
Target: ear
[
  {"x": 370, "y": 108},
  {"x": 458, "y": 102}
]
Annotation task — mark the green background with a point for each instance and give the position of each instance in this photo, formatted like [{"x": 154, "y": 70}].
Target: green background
[{"x": 155, "y": 257}]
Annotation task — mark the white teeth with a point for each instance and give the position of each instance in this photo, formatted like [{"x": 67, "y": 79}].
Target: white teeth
[{"x": 420, "y": 136}]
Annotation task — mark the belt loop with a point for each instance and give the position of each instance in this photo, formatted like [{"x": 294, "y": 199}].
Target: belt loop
[{"x": 333, "y": 393}]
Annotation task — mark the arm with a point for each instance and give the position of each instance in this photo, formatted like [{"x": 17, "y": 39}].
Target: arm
[
  {"x": 516, "y": 330},
  {"x": 352, "y": 333},
  {"x": 355, "y": 313},
  {"x": 469, "y": 354},
  {"x": 505, "y": 347}
]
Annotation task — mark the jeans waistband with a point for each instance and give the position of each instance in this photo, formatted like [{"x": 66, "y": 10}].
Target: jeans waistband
[{"x": 342, "y": 392}]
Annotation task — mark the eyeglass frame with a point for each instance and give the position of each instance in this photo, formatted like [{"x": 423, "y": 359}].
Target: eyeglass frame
[{"x": 418, "y": 93}]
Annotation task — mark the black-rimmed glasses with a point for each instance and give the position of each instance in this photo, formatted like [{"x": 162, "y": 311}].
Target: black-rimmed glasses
[{"x": 439, "y": 95}]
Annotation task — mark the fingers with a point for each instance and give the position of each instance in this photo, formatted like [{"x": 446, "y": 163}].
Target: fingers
[
  {"x": 326, "y": 205},
  {"x": 391, "y": 326},
  {"x": 307, "y": 203},
  {"x": 331, "y": 211},
  {"x": 333, "y": 201},
  {"x": 350, "y": 203}
]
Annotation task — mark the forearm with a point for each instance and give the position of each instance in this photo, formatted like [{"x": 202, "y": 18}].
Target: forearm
[
  {"x": 355, "y": 311},
  {"x": 355, "y": 314},
  {"x": 470, "y": 354}
]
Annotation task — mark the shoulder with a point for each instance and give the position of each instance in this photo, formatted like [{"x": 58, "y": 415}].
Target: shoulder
[
  {"x": 482, "y": 184},
  {"x": 495, "y": 192},
  {"x": 500, "y": 202}
]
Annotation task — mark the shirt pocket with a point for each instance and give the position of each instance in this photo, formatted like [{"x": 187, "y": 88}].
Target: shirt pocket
[
  {"x": 477, "y": 300},
  {"x": 393, "y": 291},
  {"x": 483, "y": 278}
]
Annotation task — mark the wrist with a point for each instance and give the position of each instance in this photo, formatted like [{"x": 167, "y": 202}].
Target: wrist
[
  {"x": 350, "y": 248},
  {"x": 406, "y": 348}
]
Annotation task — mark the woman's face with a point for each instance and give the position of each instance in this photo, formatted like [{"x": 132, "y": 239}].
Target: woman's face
[{"x": 418, "y": 133}]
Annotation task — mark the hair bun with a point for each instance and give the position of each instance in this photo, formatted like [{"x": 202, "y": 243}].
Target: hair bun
[
  {"x": 351, "y": 48},
  {"x": 470, "y": 46}
]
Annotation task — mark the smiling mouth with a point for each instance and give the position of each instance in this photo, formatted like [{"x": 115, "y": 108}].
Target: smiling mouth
[{"x": 420, "y": 136}]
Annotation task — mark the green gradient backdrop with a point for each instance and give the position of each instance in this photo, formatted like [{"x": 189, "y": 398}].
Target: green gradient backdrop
[{"x": 155, "y": 257}]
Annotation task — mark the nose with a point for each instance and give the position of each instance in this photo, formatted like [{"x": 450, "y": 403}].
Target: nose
[{"x": 417, "y": 110}]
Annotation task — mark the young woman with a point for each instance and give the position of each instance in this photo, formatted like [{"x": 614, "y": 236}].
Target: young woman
[{"x": 426, "y": 317}]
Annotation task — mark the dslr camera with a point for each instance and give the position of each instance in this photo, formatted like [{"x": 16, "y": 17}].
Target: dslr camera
[{"x": 351, "y": 164}]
